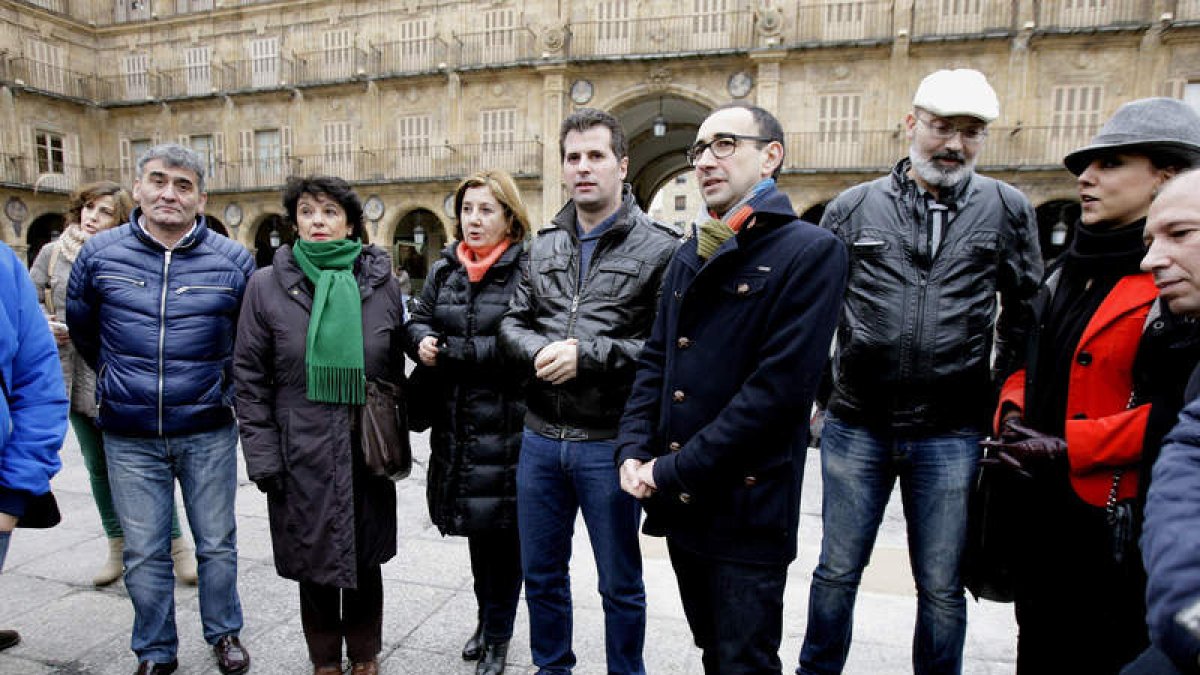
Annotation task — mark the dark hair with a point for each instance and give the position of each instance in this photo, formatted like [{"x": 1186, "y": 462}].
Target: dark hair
[
  {"x": 505, "y": 191},
  {"x": 332, "y": 187},
  {"x": 91, "y": 191},
  {"x": 585, "y": 118},
  {"x": 1171, "y": 159},
  {"x": 768, "y": 127}
]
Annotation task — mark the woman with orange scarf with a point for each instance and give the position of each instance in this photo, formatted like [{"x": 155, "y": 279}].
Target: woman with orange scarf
[{"x": 476, "y": 400}]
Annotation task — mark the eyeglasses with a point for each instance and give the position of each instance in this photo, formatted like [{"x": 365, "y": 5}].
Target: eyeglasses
[
  {"x": 722, "y": 146},
  {"x": 944, "y": 130}
]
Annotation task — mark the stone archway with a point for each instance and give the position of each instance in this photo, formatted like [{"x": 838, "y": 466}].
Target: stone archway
[
  {"x": 654, "y": 159},
  {"x": 43, "y": 230},
  {"x": 270, "y": 232},
  {"x": 1056, "y": 226},
  {"x": 417, "y": 241}
]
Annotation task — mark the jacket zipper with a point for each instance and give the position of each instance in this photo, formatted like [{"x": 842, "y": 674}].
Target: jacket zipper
[
  {"x": 135, "y": 282},
  {"x": 162, "y": 335},
  {"x": 184, "y": 289}
]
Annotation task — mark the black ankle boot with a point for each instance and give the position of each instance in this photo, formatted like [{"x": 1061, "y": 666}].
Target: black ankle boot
[
  {"x": 492, "y": 662},
  {"x": 474, "y": 647}
]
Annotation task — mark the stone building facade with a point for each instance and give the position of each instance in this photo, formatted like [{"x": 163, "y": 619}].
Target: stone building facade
[{"x": 405, "y": 97}]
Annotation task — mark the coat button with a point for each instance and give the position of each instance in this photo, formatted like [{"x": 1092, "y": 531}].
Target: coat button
[
  {"x": 674, "y": 446},
  {"x": 683, "y": 343},
  {"x": 295, "y": 291},
  {"x": 678, "y": 294},
  {"x": 750, "y": 481},
  {"x": 685, "y": 498},
  {"x": 1085, "y": 359},
  {"x": 743, "y": 289},
  {"x": 1079, "y": 416},
  {"x": 678, "y": 396}
]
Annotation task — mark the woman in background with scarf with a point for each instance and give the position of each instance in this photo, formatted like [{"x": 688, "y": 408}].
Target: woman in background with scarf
[
  {"x": 93, "y": 208},
  {"x": 315, "y": 325},
  {"x": 476, "y": 399}
]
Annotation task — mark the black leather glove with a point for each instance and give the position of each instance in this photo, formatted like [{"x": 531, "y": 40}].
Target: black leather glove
[
  {"x": 271, "y": 485},
  {"x": 1024, "y": 450}
]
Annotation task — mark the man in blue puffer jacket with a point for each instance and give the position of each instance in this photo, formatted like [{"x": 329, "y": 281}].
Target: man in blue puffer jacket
[
  {"x": 152, "y": 307},
  {"x": 33, "y": 408}
]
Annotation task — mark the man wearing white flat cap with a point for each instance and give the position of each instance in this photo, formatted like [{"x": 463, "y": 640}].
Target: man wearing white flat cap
[{"x": 934, "y": 247}]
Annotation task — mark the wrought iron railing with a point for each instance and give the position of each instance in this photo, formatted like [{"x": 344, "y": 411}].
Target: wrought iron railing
[
  {"x": 1074, "y": 14},
  {"x": 709, "y": 32},
  {"x": 495, "y": 47},
  {"x": 962, "y": 17},
  {"x": 842, "y": 21},
  {"x": 47, "y": 78},
  {"x": 409, "y": 56}
]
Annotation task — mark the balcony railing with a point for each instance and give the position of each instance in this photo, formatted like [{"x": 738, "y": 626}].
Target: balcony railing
[
  {"x": 409, "y": 56},
  {"x": 1068, "y": 14},
  {"x": 21, "y": 170},
  {"x": 962, "y": 17},
  {"x": 659, "y": 35},
  {"x": 843, "y": 20},
  {"x": 1005, "y": 148},
  {"x": 495, "y": 47},
  {"x": 421, "y": 163},
  {"x": 258, "y": 74},
  {"x": 47, "y": 78},
  {"x": 324, "y": 66}
]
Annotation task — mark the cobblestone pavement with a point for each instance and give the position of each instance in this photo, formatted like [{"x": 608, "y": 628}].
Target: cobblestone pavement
[{"x": 69, "y": 627}]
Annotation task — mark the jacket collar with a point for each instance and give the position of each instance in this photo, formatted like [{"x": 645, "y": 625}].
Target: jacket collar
[
  {"x": 509, "y": 257},
  {"x": 189, "y": 241},
  {"x": 371, "y": 270},
  {"x": 774, "y": 210},
  {"x": 565, "y": 218}
]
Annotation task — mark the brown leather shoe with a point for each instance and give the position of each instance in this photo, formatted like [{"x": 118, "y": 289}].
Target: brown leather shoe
[
  {"x": 152, "y": 668},
  {"x": 8, "y": 638},
  {"x": 369, "y": 668},
  {"x": 232, "y": 657},
  {"x": 327, "y": 670}
]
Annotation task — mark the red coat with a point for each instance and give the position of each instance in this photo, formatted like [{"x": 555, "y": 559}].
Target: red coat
[{"x": 1103, "y": 433}]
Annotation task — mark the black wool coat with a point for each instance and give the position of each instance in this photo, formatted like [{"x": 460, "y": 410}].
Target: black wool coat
[
  {"x": 477, "y": 400},
  {"x": 331, "y": 516}
]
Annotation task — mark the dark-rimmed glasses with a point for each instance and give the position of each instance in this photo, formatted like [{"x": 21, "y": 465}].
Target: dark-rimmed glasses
[
  {"x": 944, "y": 130},
  {"x": 722, "y": 146}
]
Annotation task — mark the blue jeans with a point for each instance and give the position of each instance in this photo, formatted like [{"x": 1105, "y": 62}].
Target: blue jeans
[
  {"x": 142, "y": 472},
  {"x": 555, "y": 479},
  {"x": 859, "y": 467},
  {"x": 4, "y": 539}
]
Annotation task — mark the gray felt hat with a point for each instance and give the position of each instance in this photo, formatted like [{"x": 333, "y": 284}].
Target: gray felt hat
[{"x": 1144, "y": 126}]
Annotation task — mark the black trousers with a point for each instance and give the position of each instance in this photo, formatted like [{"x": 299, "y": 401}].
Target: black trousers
[
  {"x": 331, "y": 616},
  {"x": 735, "y": 611},
  {"x": 496, "y": 566}
]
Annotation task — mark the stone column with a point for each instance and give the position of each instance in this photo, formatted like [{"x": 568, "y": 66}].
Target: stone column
[
  {"x": 554, "y": 90},
  {"x": 766, "y": 90}
]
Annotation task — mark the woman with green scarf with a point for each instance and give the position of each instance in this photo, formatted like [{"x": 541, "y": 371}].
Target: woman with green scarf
[{"x": 323, "y": 319}]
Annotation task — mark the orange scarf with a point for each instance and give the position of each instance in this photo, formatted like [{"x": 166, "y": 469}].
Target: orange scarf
[{"x": 478, "y": 262}]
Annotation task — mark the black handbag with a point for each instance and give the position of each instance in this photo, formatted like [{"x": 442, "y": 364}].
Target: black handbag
[
  {"x": 987, "y": 565},
  {"x": 383, "y": 431}
]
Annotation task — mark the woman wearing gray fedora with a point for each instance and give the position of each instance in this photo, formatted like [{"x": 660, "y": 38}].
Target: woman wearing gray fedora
[{"x": 1105, "y": 371}]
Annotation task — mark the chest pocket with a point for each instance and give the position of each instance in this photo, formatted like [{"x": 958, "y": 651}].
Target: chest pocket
[
  {"x": 617, "y": 277},
  {"x": 551, "y": 277},
  {"x": 745, "y": 286}
]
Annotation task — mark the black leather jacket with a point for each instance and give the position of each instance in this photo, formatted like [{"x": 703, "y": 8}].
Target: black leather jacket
[
  {"x": 914, "y": 350},
  {"x": 610, "y": 315}
]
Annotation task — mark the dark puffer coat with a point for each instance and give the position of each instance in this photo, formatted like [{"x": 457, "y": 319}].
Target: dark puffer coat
[
  {"x": 331, "y": 515},
  {"x": 479, "y": 408}
]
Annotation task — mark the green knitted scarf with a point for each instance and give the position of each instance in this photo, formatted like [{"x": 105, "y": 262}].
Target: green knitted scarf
[{"x": 333, "y": 355}]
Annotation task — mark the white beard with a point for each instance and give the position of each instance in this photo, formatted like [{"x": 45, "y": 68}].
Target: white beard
[{"x": 935, "y": 175}]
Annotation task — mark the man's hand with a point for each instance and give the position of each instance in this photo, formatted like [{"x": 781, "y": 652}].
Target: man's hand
[
  {"x": 630, "y": 481},
  {"x": 61, "y": 336},
  {"x": 7, "y": 522},
  {"x": 645, "y": 474},
  {"x": 427, "y": 350},
  {"x": 558, "y": 361}
]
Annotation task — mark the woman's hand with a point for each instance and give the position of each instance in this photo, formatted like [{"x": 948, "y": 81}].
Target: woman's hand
[{"x": 428, "y": 351}]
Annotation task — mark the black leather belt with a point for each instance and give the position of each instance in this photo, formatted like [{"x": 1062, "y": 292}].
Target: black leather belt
[{"x": 563, "y": 432}]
